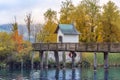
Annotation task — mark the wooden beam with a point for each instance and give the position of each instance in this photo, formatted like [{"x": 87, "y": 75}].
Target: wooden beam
[
  {"x": 80, "y": 61},
  {"x": 95, "y": 61},
  {"x": 41, "y": 59},
  {"x": 56, "y": 58},
  {"x": 73, "y": 59},
  {"x": 106, "y": 60},
  {"x": 46, "y": 59},
  {"x": 32, "y": 60},
  {"x": 64, "y": 59}
]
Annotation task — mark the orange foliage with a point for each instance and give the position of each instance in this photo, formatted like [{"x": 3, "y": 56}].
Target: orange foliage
[{"x": 18, "y": 39}]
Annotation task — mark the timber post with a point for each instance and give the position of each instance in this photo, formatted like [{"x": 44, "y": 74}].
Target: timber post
[
  {"x": 32, "y": 60},
  {"x": 64, "y": 58},
  {"x": 80, "y": 62},
  {"x": 106, "y": 60},
  {"x": 56, "y": 58},
  {"x": 46, "y": 59},
  {"x": 73, "y": 59},
  {"x": 95, "y": 61},
  {"x": 41, "y": 59}
]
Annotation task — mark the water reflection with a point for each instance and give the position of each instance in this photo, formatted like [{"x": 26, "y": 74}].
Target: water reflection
[
  {"x": 106, "y": 74},
  {"x": 57, "y": 74},
  {"x": 73, "y": 74},
  {"x": 64, "y": 74},
  {"x": 41, "y": 75},
  {"x": 95, "y": 75},
  {"x": 68, "y": 74},
  {"x": 46, "y": 74}
]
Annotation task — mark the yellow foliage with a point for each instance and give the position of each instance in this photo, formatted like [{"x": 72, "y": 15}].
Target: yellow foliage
[
  {"x": 99, "y": 39},
  {"x": 48, "y": 34}
]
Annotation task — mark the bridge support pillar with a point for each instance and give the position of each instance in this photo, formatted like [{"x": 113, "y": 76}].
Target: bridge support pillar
[
  {"x": 56, "y": 58},
  {"x": 95, "y": 61},
  {"x": 32, "y": 60},
  {"x": 64, "y": 59},
  {"x": 106, "y": 60},
  {"x": 41, "y": 59},
  {"x": 73, "y": 59},
  {"x": 80, "y": 59},
  {"x": 46, "y": 59}
]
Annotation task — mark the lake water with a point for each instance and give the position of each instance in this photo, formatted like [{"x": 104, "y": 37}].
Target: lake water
[{"x": 60, "y": 74}]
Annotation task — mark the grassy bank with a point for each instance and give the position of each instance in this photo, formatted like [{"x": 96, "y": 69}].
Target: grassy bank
[{"x": 113, "y": 58}]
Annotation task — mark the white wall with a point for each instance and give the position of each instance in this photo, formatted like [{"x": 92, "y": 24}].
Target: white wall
[
  {"x": 68, "y": 38},
  {"x": 71, "y": 38}
]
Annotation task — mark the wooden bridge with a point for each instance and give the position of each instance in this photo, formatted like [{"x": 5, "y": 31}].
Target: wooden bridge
[{"x": 77, "y": 47}]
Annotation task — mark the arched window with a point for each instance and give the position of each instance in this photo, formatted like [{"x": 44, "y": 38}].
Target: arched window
[{"x": 60, "y": 39}]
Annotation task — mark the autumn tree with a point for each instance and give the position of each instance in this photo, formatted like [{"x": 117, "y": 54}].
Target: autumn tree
[
  {"x": 66, "y": 12},
  {"x": 6, "y": 46},
  {"x": 81, "y": 21},
  {"x": 18, "y": 39},
  {"x": 110, "y": 19},
  {"x": 46, "y": 33},
  {"x": 93, "y": 14}
]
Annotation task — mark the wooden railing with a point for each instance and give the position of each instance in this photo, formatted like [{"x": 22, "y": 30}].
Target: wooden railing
[{"x": 79, "y": 47}]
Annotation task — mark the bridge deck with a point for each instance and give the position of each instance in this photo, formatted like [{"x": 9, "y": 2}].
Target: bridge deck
[{"x": 78, "y": 47}]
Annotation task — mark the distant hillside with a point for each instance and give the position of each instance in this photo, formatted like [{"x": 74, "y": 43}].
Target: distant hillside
[{"x": 21, "y": 28}]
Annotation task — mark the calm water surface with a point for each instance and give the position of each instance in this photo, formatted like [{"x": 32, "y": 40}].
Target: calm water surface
[{"x": 59, "y": 74}]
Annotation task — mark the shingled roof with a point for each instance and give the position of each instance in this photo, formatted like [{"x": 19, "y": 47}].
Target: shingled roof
[{"x": 67, "y": 29}]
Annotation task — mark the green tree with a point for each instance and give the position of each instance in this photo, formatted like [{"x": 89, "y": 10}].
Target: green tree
[{"x": 110, "y": 19}]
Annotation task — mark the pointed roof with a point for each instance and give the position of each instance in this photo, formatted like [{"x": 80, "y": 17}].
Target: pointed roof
[{"x": 67, "y": 29}]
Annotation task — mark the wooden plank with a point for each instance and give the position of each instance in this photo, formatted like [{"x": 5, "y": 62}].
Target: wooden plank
[
  {"x": 115, "y": 47},
  {"x": 81, "y": 47},
  {"x": 53, "y": 47},
  {"x": 103, "y": 47},
  {"x": 61, "y": 46},
  {"x": 91, "y": 47},
  {"x": 36, "y": 46},
  {"x": 70, "y": 46},
  {"x": 44, "y": 47}
]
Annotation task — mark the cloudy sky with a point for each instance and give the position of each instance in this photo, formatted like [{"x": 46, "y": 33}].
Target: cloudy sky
[{"x": 19, "y": 8}]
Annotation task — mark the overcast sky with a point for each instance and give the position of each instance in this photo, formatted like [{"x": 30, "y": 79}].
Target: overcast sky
[{"x": 19, "y": 8}]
